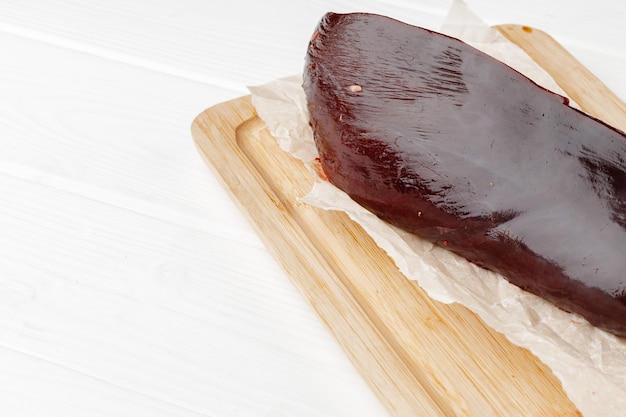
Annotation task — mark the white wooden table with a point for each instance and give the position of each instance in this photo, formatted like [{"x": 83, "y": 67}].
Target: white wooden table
[{"x": 130, "y": 284}]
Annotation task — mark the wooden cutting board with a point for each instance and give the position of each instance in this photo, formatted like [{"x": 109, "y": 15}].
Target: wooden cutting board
[{"x": 420, "y": 357}]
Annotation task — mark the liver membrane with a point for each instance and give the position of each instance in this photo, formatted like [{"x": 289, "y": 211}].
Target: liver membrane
[{"x": 448, "y": 143}]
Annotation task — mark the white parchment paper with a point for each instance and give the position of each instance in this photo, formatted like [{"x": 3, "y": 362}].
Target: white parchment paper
[{"x": 590, "y": 363}]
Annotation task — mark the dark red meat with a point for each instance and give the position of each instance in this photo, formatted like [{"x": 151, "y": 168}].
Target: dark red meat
[{"x": 450, "y": 144}]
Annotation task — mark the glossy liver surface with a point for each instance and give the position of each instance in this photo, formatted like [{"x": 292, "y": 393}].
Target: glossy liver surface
[{"x": 446, "y": 142}]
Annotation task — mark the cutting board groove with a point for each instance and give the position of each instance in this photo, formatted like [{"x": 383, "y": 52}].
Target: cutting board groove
[{"x": 419, "y": 356}]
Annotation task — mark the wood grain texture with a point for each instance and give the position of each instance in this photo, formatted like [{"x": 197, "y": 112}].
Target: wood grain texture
[
  {"x": 122, "y": 286},
  {"x": 191, "y": 39},
  {"x": 420, "y": 357},
  {"x": 220, "y": 46},
  {"x": 130, "y": 284}
]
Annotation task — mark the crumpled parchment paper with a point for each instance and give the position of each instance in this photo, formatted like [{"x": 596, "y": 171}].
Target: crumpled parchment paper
[{"x": 590, "y": 363}]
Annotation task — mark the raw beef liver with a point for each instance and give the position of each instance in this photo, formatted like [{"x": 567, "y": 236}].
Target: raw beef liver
[{"x": 448, "y": 143}]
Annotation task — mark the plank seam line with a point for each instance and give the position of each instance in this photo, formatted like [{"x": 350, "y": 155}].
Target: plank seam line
[
  {"x": 103, "y": 379},
  {"x": 123, "y": 205},
  {"x": 120, "y": 57}
]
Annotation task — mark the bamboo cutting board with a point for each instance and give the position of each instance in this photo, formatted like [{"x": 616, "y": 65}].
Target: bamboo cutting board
[{"x": 420, "y": 357}]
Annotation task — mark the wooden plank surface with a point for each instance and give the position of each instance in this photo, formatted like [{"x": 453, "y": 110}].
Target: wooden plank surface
[
  {"x": 421, "y": 357},
  {"x": 122, "y": 290},
  {"x": 418, "y": 355},
  {"x": 130, "y": 283}
]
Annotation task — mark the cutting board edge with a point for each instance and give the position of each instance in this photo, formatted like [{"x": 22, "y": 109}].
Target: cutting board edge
[{"x": 512, "y": 31}]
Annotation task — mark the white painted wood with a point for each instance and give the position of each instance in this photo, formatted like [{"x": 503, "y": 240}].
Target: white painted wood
[
  {"x": 235, "y": 44},
  {"x": 207, "y": 42},
  {"x": 124, "y": 267},
  {"x": 130, "y": 284}
]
